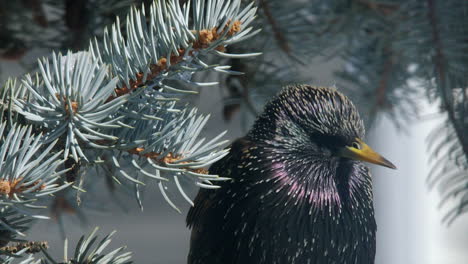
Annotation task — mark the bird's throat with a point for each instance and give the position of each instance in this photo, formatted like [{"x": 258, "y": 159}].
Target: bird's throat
[{"x": 320, "y": 183}]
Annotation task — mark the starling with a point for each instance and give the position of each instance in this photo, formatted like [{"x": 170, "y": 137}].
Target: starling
[{"x": 299, "y": 192}]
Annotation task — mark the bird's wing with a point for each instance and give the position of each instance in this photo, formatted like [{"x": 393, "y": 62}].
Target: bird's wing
[{"x": 208, "y": 242}]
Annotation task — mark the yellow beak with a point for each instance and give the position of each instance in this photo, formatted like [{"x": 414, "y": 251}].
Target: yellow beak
[{"x": 365, "y": 153}]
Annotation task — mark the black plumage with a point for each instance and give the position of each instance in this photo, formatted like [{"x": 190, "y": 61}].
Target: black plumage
[{"x": 299, "y": 192}]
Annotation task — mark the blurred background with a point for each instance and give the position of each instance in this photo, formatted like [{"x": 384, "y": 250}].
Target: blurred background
[{"x": 403, "y": 63}]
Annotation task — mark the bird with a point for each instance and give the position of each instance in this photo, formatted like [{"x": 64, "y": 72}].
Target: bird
[{"x": 299, "y": 190}]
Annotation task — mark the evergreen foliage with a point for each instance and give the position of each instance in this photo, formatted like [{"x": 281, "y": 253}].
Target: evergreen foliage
[{"x": 115, "y": 107}]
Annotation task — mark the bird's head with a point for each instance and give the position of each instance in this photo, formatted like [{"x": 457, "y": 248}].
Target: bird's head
[{"x": 315, "y": 122}]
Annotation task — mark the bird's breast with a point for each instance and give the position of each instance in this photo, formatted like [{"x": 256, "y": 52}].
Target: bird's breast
[
  {"x": 291, "y": 216},
  {"x": 282, "y": 231}
]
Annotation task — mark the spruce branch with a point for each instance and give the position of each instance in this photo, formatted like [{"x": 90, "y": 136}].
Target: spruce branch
[
  {"x": 116, "y": 105},
  {"x": 14, "y": 258},
  {"x": 279, "y": 36},
  {"x": 28, "y": 174},
  {"x": 70, "y": 100},
  {"x": 444, "y": 42},
  {"x": 31, "y": 247},
  {"x": 25, "y": 174},
  {"x": 87, "y": 251}
]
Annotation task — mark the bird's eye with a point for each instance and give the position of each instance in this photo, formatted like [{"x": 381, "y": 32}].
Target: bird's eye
[{"x": 356, "y": 145}]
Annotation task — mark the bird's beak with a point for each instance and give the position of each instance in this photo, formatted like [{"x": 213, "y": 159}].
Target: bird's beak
[{"x": 365, "y": 153}]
